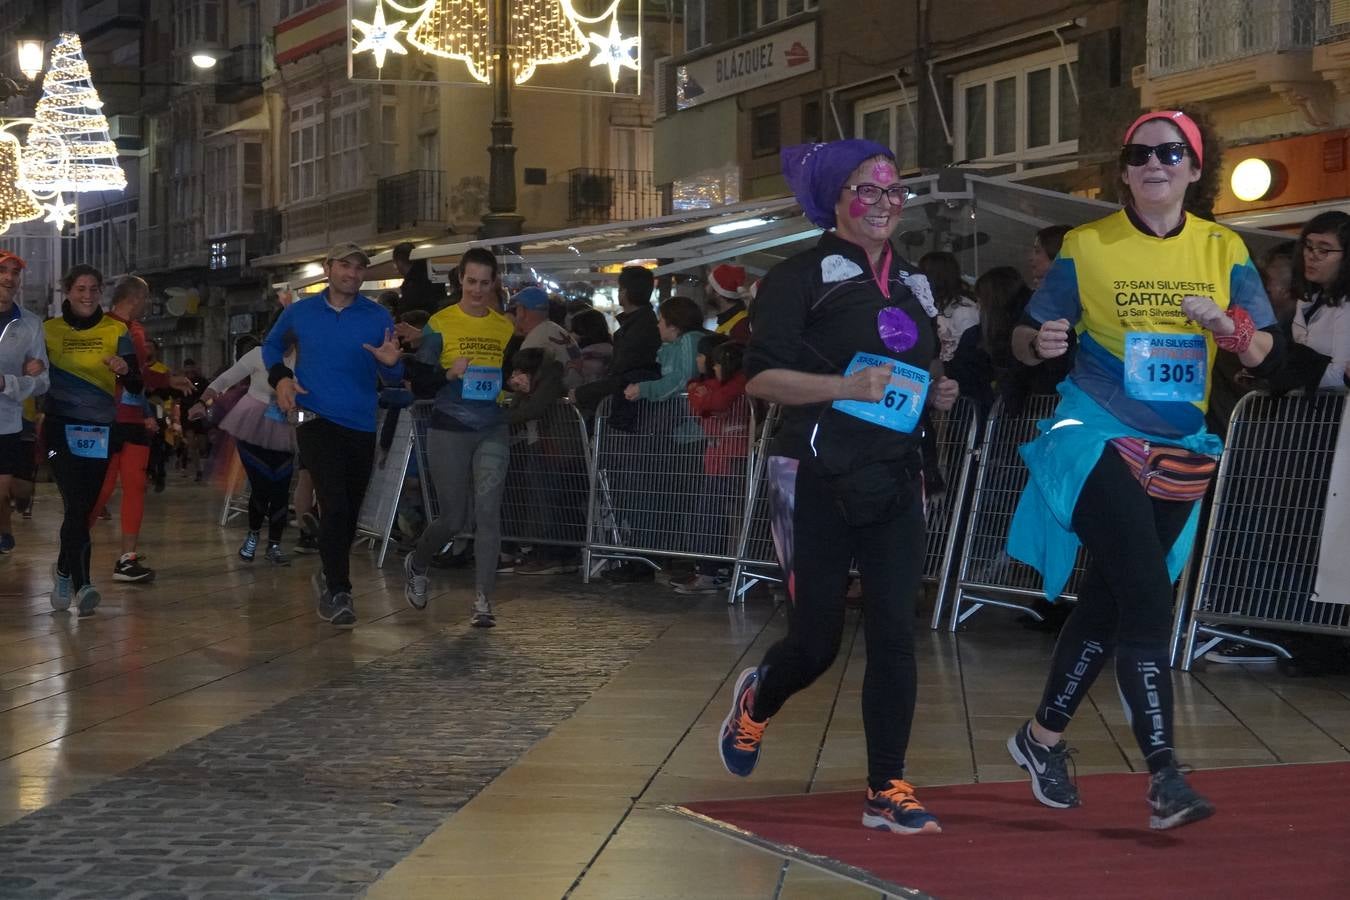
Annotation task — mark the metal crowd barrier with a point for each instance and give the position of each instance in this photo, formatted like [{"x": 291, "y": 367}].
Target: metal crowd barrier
[
  {"x": 987, "y": 575},
  {"x": 548, "y": 480},
  {"x": 757, "y": 558},
  {"x": 237, "y": 491},
  {"x": 379, "y": 509},
  {"x": 1259, "y": 557},
  {"x": 650, "y": 492}
]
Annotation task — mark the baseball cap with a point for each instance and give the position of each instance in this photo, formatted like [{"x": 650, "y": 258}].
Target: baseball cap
[
  {"x": 535, "y": 298},
  {"x": 8, "y": 255},
  {"x": 346, "y": 250}
]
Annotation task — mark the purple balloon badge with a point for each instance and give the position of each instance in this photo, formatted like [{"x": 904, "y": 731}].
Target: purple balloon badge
[{"x": 897, "y": 330}]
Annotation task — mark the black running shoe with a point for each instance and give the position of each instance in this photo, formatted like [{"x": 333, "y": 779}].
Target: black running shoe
[
  {"x": 1048, "y": 768},
  {"x": 308, "y": 543},
  {"x": 337, "y": 608},
  {"x": 1173, "y": 801},
  {"x": 129, "y": 568}
]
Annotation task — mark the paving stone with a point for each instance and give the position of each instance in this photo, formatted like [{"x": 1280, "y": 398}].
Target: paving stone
[{"x": 321, "y": 794}]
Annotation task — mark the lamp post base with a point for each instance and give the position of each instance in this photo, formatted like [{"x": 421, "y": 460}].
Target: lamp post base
[{"x": 498, "y": 225}]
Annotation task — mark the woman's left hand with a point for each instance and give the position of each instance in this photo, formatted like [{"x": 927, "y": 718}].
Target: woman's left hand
[
  {"x": 117, "y": 364},
  {"x": 944, "y": 393},
  {"x": 1206, "y": 313},
  {"x": 631, "y": 392}
]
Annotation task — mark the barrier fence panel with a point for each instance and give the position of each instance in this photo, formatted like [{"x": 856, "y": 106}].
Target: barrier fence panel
[
  {"x": 1260, "y": 553},
  {"x": 375, "y": 521},
  {"x": 757, "y": 560},
  {"x": 236, "y": 491},
  {"x": 988, "y": 576},
  {"x": 548, "y": 480},
  {"x": 955, "y": 433},
  {"x": 668, "y": 483}
]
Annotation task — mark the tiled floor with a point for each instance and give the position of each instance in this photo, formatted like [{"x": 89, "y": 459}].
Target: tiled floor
[{"x": 214, "y": 641}]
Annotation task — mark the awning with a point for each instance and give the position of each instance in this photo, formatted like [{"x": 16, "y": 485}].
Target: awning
[{"x": 256, "y": 122}]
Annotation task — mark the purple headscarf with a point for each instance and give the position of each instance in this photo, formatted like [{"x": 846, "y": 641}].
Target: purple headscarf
[{"x": 816, "y": 173}]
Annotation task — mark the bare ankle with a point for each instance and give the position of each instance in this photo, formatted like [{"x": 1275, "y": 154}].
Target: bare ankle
[{"x": 1044, "y": 736}]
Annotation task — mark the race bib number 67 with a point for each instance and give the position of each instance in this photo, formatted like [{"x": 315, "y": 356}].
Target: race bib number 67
[{"x": 900, "y": 407}]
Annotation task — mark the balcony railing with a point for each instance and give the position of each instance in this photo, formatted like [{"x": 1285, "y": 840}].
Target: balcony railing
[
  {"x": 597, "y": 196},
  {"x": 241, "y": 74},
  {"x": 1333, "y": 20},
  {"x": 317, "y": 218},
  {"x": 1185, "y": 35},
  {"x": 411, "y": 199}
]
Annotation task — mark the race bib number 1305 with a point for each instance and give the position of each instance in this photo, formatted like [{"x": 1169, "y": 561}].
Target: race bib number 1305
[{"x": 1166, "y": 367}]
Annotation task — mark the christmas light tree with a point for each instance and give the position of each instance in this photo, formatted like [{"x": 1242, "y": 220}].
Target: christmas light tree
[
  {"x": 75, "y": 152},
  {"x": 16, "y": 204}
]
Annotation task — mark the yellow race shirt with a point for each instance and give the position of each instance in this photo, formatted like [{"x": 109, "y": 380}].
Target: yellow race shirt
[
  {"x": 1121, "y": 288},
  {"x": 82, "y": 385},
  {"x": 468, "y": 403},
  {"x": 482, "y": 339}
]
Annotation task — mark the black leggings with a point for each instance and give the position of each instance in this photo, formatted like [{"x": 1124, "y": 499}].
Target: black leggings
[
  {"x": 80, "y": 481},
  {"x": 269, "y": 481},
  {"x": 1124, "y": 604},
  {"x": 890, "y": 558},
  {"x": 339, "y": 460}
]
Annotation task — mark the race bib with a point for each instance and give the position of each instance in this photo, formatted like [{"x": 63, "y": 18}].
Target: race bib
[
  {"x": 1165, "y": 367},
  {"x": 482, "y": 383},
  {"x": 902, "y": 404},
  {"x": 88, "y": 441},
  {"x": 274, "y": 413}
]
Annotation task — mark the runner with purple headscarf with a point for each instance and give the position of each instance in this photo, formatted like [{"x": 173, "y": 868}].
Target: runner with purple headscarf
[{"x": 844, "y": 339}]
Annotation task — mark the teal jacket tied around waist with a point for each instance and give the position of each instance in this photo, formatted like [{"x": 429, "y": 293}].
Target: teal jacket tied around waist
[{"x": 1060, "y": 461}]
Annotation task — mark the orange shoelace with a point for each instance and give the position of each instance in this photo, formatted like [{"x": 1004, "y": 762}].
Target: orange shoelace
[
  {"x": 748, "y": 732},
  {"x": 901, "y": 793}
]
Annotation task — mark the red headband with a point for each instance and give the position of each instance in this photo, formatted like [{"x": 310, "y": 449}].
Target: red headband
[{"x": 1189, "y": 130}]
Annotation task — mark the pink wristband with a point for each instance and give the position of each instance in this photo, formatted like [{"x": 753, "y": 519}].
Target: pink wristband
[{"x": 1242, "y": 335}]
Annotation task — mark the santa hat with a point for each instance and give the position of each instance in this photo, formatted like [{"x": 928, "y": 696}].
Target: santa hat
[{"x": 727, "y": 280}]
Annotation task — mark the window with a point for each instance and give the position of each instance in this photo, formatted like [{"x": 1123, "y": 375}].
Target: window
[
  {"x": 197, "y": 22},
  {"x": 234, "y": 184},
  {"x": 759, "y": 13},
  {"x": 764, "y": 131},
  {"x": 695, "y": 24},
  {"x": 889, "y": 121},
  {"x": 348, "y": 125},
  {"x": 812, "y": 131},
  {"x": 306, "y": 150},
  {"x": 291, "y": 7},
  {"x": 1025, "y": 107}
]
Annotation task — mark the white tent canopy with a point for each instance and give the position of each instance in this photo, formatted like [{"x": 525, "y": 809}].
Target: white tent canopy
[{"x": 985, "y": 221}]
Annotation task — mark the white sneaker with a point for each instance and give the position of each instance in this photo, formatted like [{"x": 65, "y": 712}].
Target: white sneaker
[
  {"x": 482, "y": 612},
  {"x": 414, "y": 585}
]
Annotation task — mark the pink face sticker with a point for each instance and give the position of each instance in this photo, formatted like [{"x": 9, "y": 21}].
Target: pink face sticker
[
  {"x": 857, "y": 209},
  {"x": 883, "y": 173}
]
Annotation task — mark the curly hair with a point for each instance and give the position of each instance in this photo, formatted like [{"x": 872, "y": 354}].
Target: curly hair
[{"x": 1201, "y": 195}]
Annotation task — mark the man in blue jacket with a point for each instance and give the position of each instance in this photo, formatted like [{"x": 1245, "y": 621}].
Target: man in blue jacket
[{"x": 344, "y": 346}]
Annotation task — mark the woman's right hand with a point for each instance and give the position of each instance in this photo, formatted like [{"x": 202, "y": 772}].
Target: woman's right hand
[
  {"x": 1052, "y": 339},
  {"x": 867, "y": 385}
]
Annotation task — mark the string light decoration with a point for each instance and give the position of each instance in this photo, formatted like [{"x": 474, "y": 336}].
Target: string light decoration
[
  {"x": 69, "y": 148},
  {"x": 542, "y": 33},
  {"x": 17, "y": 204}
]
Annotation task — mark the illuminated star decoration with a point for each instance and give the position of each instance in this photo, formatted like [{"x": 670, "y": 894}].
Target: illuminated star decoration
[
  {"x": 379, "y": 37},
  {"x": 614, "y": 50},
  {"x": 59, "y": 212}
]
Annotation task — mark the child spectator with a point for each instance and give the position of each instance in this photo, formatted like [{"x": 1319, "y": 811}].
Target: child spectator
[
  {"x": 591, "y": 332},
  {"x": 958, "y": 310}
]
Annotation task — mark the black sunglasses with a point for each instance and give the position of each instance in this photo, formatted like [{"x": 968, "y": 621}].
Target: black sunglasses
[{"x": 1169, "y": 154}]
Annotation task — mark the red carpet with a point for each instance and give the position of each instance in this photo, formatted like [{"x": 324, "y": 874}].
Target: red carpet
[{"x": 1281, "y": 831}]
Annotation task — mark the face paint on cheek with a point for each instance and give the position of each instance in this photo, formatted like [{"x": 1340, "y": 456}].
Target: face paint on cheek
[
  {"x": 857, "y": 209},
  {"x": 884, "y": 173}
]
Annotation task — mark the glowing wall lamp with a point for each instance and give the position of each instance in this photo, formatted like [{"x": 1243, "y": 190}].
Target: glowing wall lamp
[
  {"x": 30, "y": 58},
  {"x": 1257, "y": 179}
]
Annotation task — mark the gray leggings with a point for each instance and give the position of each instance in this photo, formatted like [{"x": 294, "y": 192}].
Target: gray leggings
[{"x": 460, "y": 460}]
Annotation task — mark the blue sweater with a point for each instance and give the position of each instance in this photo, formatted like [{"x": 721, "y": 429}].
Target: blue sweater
[{"x": 341, "y": 377}]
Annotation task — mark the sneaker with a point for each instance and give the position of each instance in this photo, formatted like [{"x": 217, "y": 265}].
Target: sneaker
[
  {"x": 482, "y": 613},
  {"x": 1174, "y": 802},
  {"x": 87, "y": 599},
  {"x": 546, "y": 567},
  {"x": 506, "y": 564},
  {"x": 414, "y": 585},
  {"x": 275, "y": 555},
  {"x": 679, "y": 580},
  {"x": 1047, "y": 766},
  {"x": 61, "y": 589},
  {"x": 307, "y": 543},
  {"x": 738, "y": 741},
  {"x": 6, "y": 543},
  {"x": 630, "y": 573},
  {"x": 1241, "y": 654},
  {"x": 895, "y": 809},
  {"x": 703, "y": 584},
  {"x": 250, "y": 547},
  {"x": 309, "y": 524},
  {"x": 337, "y": 608},
  {"x": 129, "y": 568}
]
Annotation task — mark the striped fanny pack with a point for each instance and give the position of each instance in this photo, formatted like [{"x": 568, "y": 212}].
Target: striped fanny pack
[{"x": 1167, "y": 473}]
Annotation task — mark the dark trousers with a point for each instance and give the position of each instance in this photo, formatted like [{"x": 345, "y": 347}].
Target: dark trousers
[
  {"x": 80, "y": 480},
  {"x": 339, "y": 460},
  {"x": 1124, "y": 605},
  {"x": 890, "y": 558},
  {"x": 269, "y": 482}
]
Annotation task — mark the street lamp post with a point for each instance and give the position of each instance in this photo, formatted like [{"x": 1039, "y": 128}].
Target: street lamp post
[{"x": 502, "y": 220}]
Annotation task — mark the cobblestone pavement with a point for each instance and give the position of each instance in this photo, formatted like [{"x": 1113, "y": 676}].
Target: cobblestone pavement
[{"x": 321, "y": 794}]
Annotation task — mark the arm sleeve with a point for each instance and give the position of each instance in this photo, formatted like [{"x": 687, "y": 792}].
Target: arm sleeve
[
  {"x": 424, "y": 369},
  {"x": 274, "y": 348},
  {"x": 1334, "y": 377},
  {"x": 678, "y": 366},
  {"x": 1057, "y": 297},
  {"x": 132, "y": 380},
  {"x": 1246, "y": 291},
  {"x": 237, "y": 372},
  {"x": 547, "y": 390},
  {"x": 20, "y": 387},
  {"x": 779, "y": 316},
  {"x": 715, "y": 397}
]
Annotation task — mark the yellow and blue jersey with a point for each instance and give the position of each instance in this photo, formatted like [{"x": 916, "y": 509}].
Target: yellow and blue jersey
[
  {"x": 82, "y": 386},
  {"x": 1111, "y": 279}
]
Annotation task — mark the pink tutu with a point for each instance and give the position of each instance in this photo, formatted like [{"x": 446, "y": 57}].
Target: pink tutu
[{"x": 248, "y": 422}]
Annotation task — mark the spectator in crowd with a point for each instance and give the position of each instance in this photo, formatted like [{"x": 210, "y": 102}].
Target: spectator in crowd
[
  {"x": 195, "y": 447},
  {"x": 1321, "y": 326},
  {"x": 726, "y": 300},
  {"x": 1044, "y": 248},
  {"x": 460, "y": 363},
  {"x": 958, "y": 310},
  {"x": 532, "y": 310},
  {"x": 418, "y": 291},
  {"x": 23, "y": 374},
  {"x": 1277, "y": 274},
  {"x": 636, "y": 341},
  {"x": 591, "y": 332},
  {"x": 344, "y": 347}
]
